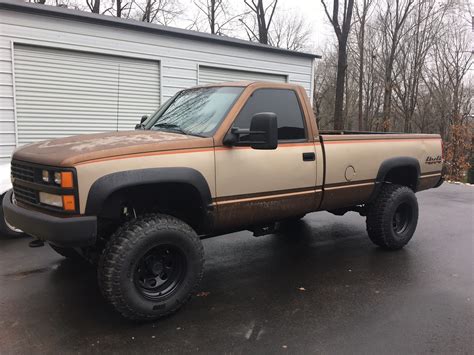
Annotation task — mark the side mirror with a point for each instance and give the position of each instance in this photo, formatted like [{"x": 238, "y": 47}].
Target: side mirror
[
  {"x": 263, "y": 133},
  {"x": 140, "y": 125}
]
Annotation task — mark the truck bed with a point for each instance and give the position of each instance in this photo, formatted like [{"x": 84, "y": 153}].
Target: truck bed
[{"x": 352, "y": 161}]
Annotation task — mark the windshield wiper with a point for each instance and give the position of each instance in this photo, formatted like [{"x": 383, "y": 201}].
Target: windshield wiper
[
  {"x": 175, "y": 128},
  {"x": 171, "y": 126}
]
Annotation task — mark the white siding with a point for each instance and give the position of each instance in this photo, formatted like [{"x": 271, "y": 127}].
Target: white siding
[
  {"x": 7, "y": 113},
  {"x": 179, "y": 58},
  {"x": 210, "y": 75}
]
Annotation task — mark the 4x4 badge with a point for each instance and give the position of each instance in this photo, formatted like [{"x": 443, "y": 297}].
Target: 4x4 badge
[{"x": 434, "y": 160}]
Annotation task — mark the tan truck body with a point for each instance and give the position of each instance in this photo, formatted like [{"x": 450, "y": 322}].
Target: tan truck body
[
  {"x": 248, "y": 186},
  {"x": 138, "y": 203}
]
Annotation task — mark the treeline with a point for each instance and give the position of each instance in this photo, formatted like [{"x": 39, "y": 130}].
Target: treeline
[{"x": 406, "y": 68}]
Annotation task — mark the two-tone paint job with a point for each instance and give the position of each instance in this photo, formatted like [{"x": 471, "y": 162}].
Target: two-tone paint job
[{"x": 248, "y": 186}]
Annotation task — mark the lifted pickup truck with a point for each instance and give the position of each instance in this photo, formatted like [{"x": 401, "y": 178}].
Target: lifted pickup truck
[{"x": 212, "y": 160}]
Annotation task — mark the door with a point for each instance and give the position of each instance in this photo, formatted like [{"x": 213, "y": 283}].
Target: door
[
  {"x": 258, "y": 186},
  {"x": 61, "y": 92}
]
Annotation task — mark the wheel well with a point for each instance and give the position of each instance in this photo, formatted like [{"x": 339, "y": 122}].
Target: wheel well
[
  {"x": 403, "y": 175},
  {"x": 180, "y": 200}
]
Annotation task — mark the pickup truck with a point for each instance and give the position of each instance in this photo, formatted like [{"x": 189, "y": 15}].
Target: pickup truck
[{"x": 212, "y": 160}]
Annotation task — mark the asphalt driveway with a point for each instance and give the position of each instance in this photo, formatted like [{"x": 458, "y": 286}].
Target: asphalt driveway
[{"x": 319, "y": 288}]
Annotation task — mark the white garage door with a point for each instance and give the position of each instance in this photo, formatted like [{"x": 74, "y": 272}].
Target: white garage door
[
  {"x": 61, "y": 93},
  {"x": 210, "y": 75}
]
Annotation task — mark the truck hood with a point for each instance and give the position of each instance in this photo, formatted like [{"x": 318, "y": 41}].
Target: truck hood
[{"x": 77, "y": 149}]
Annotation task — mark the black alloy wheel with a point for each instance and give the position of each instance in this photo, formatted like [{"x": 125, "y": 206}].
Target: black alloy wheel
[
  {"x": 402, "y": 218},
  {"x": 160, "y": 272}
]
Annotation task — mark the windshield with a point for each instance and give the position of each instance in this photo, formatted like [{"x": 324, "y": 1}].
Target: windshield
[{"x": 195, "y": 111}]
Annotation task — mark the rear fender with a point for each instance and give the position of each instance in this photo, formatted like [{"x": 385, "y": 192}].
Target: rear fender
[{"x": 411, "y": 165}]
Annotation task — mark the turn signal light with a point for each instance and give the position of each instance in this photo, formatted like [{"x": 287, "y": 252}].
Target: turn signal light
[
  {"x": 69, "y": 204},
  {"x": 66, "y": 179}
]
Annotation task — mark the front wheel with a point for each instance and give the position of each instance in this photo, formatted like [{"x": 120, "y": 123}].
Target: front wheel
[
  {"x": 392, "y": 218},
  {"x": 151, "y": 266}
]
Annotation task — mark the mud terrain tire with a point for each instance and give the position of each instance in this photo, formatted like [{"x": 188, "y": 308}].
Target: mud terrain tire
[
  {"x": 392, "y": 217},
  {"x": 151, "y": 266}
]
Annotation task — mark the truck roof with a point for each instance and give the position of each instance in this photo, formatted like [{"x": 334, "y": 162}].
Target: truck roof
[{"x": 248, "y": 83}]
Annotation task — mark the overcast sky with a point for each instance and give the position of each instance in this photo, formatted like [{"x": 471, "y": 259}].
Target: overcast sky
[{"x": 311, "y": 10}]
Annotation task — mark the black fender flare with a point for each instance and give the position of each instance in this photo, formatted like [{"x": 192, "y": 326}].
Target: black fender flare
[
  {"x": 106, "y": 185},
  {"x": 392, "y": 163}
]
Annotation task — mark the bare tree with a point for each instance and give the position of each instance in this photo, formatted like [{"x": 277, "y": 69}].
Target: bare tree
[
  {"x": 392, "y": 23},
  {"x": 120, "y": 8},
  {"x": 324, "y": 88},
  {"x": 262, "y": 16},
  {"x": 342, "y": 35},
  {"x": 94, "y": 6},
  {"x": 290, "y": 31},
  {"x": 455, "y": 58},
  {"x": 163, "y": 12},
  {"x": 361, "y": 16},
  {"x": 217, "y": 14},
  {"x": 424, "y": 25}
]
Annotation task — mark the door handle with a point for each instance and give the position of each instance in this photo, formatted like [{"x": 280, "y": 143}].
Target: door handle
[{"x": 309, "y": 156}]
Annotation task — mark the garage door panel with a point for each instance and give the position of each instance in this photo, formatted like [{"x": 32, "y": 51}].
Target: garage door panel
[{"x": 61, "y": 93}]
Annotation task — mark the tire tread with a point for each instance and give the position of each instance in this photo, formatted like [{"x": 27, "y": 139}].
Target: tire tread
[
  {"x": 376, "y": 223},
  {"x": 125, "y": 238}
]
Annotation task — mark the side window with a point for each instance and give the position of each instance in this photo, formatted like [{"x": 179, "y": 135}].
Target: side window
[{"x": 283, "y": 103}]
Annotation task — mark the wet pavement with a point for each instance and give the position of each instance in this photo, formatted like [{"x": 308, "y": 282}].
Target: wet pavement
[{"x": 321, "y": 287}]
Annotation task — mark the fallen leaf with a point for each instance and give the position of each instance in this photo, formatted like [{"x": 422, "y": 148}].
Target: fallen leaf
[{"x": 203, "y": 294}]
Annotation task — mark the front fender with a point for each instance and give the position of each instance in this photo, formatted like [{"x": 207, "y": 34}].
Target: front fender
[{"x": 108, "y": 184}]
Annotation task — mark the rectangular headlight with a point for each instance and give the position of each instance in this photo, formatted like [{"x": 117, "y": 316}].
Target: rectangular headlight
[
  {"x": 50, "y": 199},
  {"x": 45, "y": 175},
  {"x": 57, "y": 178}
]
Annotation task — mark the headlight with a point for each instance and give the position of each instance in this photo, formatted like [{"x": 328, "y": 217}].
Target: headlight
[
  {"x": 45, "y": 175},
  {"x": 57, "y": 178},
  {"x": 61, "y": 178},
  {"x": 67, "y": 202},
  {"x": 50, "y": 199}
]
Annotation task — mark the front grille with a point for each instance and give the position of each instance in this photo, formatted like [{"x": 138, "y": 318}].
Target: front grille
[
  {"x": 27, "y": 184},
  {"x": 23, "y": 172},
  {"x": 25, "y": 194}
]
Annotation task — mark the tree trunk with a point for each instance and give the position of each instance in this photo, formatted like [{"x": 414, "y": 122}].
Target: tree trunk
[
  {"x": 387, "y": 94},
  {"x": 262, "y": 26},
  {"x": 340, "y": 81},
  {"x": 96, "y": 8},
  {"x": 212, "y": 19},
  {"x": 361, "y": 67},
  {"x": 119, "y": 8}
]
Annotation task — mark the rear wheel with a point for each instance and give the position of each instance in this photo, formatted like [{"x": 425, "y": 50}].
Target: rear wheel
[
  {"x": 151, "y": 267},
  {"x": 392, "y": 218}
]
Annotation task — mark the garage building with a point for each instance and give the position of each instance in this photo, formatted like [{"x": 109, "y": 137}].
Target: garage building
[{"x": 65, "y": 72}]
